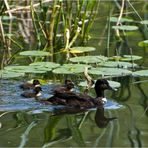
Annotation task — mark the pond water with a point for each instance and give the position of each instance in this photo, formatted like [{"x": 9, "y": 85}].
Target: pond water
[
  {"x": 26, "y": 122},
  {"x": 29, "y": 123}
]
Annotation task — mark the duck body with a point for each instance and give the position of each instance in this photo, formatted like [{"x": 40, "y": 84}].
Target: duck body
[
  {"x": 73, "y": 99},
  {"x": 30, "y": 85},
  {"x": 35, "y": 93}
]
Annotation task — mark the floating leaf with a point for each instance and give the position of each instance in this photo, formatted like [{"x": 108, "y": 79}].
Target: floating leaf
[
  {"x": 10, "y": 74},
  {"x": 45, "y": 64},
  {"x": 125, "y": 27},
  {"x": 70, "y": 69},
  {"x": 109, "y": 71},
  {"x": 82, "y": 49},
  {"x": 143, "y": 43},
  {"x": 113, "y": 84},
  {"x": 141, "y": 73},
  {"x": 145, "y": 22},
  {"x": 118, "y": 64},
  {"x": 126, "y": 58},
  {"x": 34, "y": 53},
  {"x": 115, "y": 19},
  {"x": 27, "y": 69},
  {"x": 88, "y": 59},
  {"x": 130, "y": 58}
]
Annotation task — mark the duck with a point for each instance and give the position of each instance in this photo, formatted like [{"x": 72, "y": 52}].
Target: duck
[
  {"x": 66, "y": 88},
  {"x": 81, "y": 100},
  {"x": 35, "y": 93},
  {"x": 30, "y": 85}
]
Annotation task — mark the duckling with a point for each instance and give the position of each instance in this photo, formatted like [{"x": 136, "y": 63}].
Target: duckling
[
  {"x": 36, "y": 93},
  {"x": 81, "y": 100},
  {"x": 66, "y": 88},
  {"x": 29, "y": 85}
]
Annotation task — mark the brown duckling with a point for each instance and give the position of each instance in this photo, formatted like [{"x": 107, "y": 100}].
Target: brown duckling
[
  {"x": 81, "y": 100},
  {"x": 30, "y": 85},
  {"x": 36, "y": 93},
  {"x": 66, "y": 88}
]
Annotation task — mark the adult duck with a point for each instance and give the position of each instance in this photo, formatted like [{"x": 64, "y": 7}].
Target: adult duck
[
  {"x": 30, "y": 85},
  {"x": 34, "y": 94},
  {"x": 73, "y": 99}
]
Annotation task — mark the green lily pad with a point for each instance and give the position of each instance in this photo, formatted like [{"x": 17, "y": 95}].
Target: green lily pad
[
  {"x": 27, "y": 69},
  {"x": 102, "y": 71},
  {"x": 130, "y": 58},
  {"x": 45, "y": 64},
  {"x": 125, "y": 27},
  {"x": 10, "y": 74},
  {"x": 115, "y": 19},
  {"x": 118, "y": 64},
  {"x": 126, "y": 58},
  {"x": 88, "y": 59},
  {"x": 143, "y": 43},
  {"x": 82, "y": 49},
  {"x": 113, "y": 84},
  {"x": 34, "y": 53},
  {"x": 141, "y": 73},
  {"x": 70, "y": 69},
  {"x": 145, "y": 22}
]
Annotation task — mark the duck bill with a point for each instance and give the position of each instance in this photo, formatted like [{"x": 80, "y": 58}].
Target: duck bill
[{"x": 111, "y": 88}]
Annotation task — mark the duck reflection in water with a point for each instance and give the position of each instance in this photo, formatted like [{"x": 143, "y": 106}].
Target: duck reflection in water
[{"x": 100, "y": 118}]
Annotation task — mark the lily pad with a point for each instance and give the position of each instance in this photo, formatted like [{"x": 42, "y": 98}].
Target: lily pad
[
  {"x": 115, "y": 19},
  {"x": 34, "y": 53},
  {"x": 145, "y": 22},
  {"x": 10, "y": 74},
  {"x": 109, "y": 71},
  {"x": 143, "y": 43},
  {"x": 70, "y": 69},
  {"x": 118, "y": 64},
  {"x": 126, "y": 58},
  {"x": 125, "y": 27},
  {"x": 27, "y": 69},
  {"x": 141, "y": 73},
  {"x": 88, "y": 59},
  {"x": 113, "y": 84},
  {"x": 45, "y": 64},
  {"x": 82, "y": 49}
]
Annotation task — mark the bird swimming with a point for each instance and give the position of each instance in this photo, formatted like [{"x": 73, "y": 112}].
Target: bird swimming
[
  {"x": 80, "y": 100},
  {"x": 35, "y": 93},
  {"x": 30, "y": 85}
]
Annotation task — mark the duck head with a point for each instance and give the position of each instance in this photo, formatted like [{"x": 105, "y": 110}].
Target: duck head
[
  {"x": 36, "y": 82},
  {"x": 69, "y": 84},
  {"x": 100, "y": 86}
]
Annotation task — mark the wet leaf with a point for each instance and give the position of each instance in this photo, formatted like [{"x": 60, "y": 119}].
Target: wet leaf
[
  {"x": 143, "y": 43},
  {"x": 82, "y": 49},
  {"x": 113, "y": 84},
  {"x": 115, "y": 19},
  {"x": 125, "y": 27},
  {"x": 141, "y": 73},
  {"x": 118, "y": 64},
  {"x": 109, "y": 71},
  {"x": 10, "y": 74},
  {"x": 45, "y": 64},
  {"x": 70, "y": 69},
  {"x": 126, "y": 58},
  {"x": 145, "y": 22},
  {"x": 34, "y": 53},
  {"x": 88, "y": 59}
]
